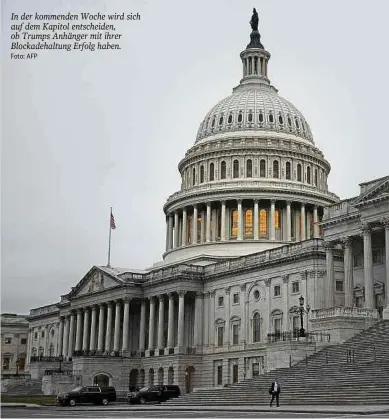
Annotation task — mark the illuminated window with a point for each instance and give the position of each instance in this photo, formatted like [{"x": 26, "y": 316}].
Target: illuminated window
[
  {"x": 198, "y": 229},
  {"x": 277, "y": 219},
  {"x": 287, "y": 170},
  {"x": 299, "y": 173},
  {"x": 193, "y": 176},
  {"x": 248, "y": 223},
  {"x": 276, "y": 169},
  {"x": 262, "y": 223},
  {"x": 211, "y": 172},
  {"x": 249, "y": 168},
  {"x": 262, "y": 168},
  {"x": 236, "y": 169},
  {"x": 201, "y": 174},
  {"x": 234, "y": 223},
  {"x": 189, "y": 230},
  {"x": 308, "y": 175},
  {"x": 223, "y": 170}
]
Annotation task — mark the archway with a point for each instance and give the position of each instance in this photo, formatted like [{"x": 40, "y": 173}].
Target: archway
[
  {"x": 142, "y": 378},
  {"x": 170, "y": 375},
  {"x": 101, "y": 380},
  {"x": 151, "y": 376},
  {"x": 189, "y": 378},
  {"x": 133, "y": 382},
  {"x": 160, "y": 376}
]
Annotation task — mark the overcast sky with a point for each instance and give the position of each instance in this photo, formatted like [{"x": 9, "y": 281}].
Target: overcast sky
[{"x": 84, "y": 131}]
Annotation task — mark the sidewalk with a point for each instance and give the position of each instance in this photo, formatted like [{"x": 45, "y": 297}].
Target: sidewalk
[{"x": 360, "y": 410}]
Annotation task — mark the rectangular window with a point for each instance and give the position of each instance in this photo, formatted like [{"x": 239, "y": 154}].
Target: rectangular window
[
  {"x": 220, "y": 301},
  {"x": 220, "y": 336},
  {"x": 377, "y": 256},
  {"x": 277, "y": 291},
  {"x": 277, "y": 326},
  {"x": 36, "y": 335},
  {"x": 219, "y": 375},
  {"x": 6, "y": 362},
  {"x": 255, "y": 368},
  {"x": 359, "y": 302},
  {"x": 235, "y": 334},
  {"x": 23, "y": 341},
  {"x": 295, "y": 287},
  {"x": 358, "y": 261},
  {"x": 235, "y": 298},
  {"x": 296, "y": 326},
  {"x": 339, "y": 286},
  {"x": 43, "y": 334},
  {"x": 8, "y": 341}
]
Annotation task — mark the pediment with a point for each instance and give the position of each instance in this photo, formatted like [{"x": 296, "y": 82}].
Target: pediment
[
  {"x": 381, "y": 188},
  {"x": 96, "y": 280}
]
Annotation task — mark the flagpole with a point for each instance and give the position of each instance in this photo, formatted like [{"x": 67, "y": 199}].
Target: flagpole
[{"x": 109, "y": 241}]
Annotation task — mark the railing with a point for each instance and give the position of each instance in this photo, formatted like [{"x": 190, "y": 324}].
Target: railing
[
  {"x": 58, "y": 372},
  {"x": 22, "y": 376},
  {"x": 295, "y": 336},
  {"x": 337, "y": 210},
  {"x": 102, "y": 354},
  {"x": 46, "y": 359},
  {"x": 355, "y": 312},
  {"x": 191, "y": 350},
  {"x": 44, "y": 310}
]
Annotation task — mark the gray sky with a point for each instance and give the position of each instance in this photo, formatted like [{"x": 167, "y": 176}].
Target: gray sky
[{"x": 84, "y": 131}]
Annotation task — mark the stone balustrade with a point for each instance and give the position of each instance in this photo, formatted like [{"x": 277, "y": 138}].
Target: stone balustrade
[{"x": 355, "y": 312}]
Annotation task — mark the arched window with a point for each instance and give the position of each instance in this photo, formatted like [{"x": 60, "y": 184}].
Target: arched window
[
  {"x": 277, "y": 219},
  {"x": 235, "y": 169},
  {"x": 234, "y": 223},
  {"x": 151, "y": 377},
  {"x": 249, "y": 168},
  {"x": 51, "y": 350},
  {"x": 201, "y": 174},
  {"x": 308, "y": 175},
  {"x": 296, "y": 121},
  {"x": 223, "y": 170},
  {"x": 248, "y": 223},
  {"x": 289, "y": 121},
  {"x": 230, "y": 118},
  {"x": 256, "y": 328},
  {"x": 299, "y": 173},
  {"x": 262, "y": 168},
  {"x": 41, "y": 351},
  {"x": 315, "y": 178},
  {"x": 213, "y": 121},
  {"x": 193, "y": 176},
  {"x": 271, "y": 118},
  {"x": 240, "y": 117},
  {"x": 211, "y": 172},
  {"x": 281, "y": 120},
  {"x": 260, "y": 117},
  {"x": 287, "y": 170},
  {"x": 221, "y": 119},
  {"x": 250, "y": 117},
  {"x": 262, "y": 223},
  {"x": 276, "y": 169}
]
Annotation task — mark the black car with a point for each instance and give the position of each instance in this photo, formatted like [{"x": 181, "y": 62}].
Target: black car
[
  {"x": 92, "y": 394},
  {"x": 155, "y": 394}
]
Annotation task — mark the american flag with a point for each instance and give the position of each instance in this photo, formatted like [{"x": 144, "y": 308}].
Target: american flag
[{"x": 112, "y": 222}]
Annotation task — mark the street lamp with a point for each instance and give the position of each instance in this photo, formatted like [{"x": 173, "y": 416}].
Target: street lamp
[
  {"x": 302, "y": 311},
  {"x": 17, "y": 365},
  {"x": 60, "y": 363}
]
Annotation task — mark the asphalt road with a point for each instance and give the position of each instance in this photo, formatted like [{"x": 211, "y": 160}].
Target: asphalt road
[{"x": 50, "y": 412}]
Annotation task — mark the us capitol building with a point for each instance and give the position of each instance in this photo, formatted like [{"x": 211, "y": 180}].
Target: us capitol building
[{"x": 257, "y": 248}]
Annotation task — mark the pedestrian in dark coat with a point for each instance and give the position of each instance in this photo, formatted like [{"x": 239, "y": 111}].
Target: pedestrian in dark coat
[{"x": 274, "y": 391}]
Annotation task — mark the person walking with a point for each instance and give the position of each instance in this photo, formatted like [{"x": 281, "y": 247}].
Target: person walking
[{"x": 274, "y": 391}]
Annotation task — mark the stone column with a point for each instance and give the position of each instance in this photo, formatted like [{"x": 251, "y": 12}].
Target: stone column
[
  {"x": 170, "y": 330},
  {"x": 206, "y": 317},
  {"x": 176, "y": 230},
  {"x": 167, "y": 234},
  {"x": 71, "y": 335},
  {"x": 256, "y": 220},
  {"x": 348, "y": 272},
  {"x": 198, "y": 320},
  {"x": 303, "y": 223},
  {"x": 170, "y": 229},
  {"x": 316, "y": 233},
  {"x": 285, "y": 279},
  {"x": 184, "y": 227},
  {"x": 181, "y": 324},
  {"x": 60, "y": 337},
  {"x": 85, "y": 337},
  {"x": 272, "y": 216},
  {"x": 208, "y": 224},
  {"x": 288, "y": 221},
  {"x": 100, "y": 343},
  {"x": 368, "y": 266},
  {"x": 92, "y": 344},
  {"x": 202, "y": 230},
  {"x": 223, "y": 222},
  {"x": 78, "y": 330},
  {"x": 151, "y": 323},
  {"x": 161, "y": 320},
  {"x": 385, "y": 222},
  {"x": 330, "y": 294},
  {"x": 194, "y": 225},
  {"x": 116, "y": 339},
  {"x": 211, "y": 317},
  {"x": 108, "y": 333},
  {"x": 142, "y": 326},
  {"x": 240, "y": 219},
  {"x": 126, "y": 323},
  {"x": 65, "y": 337}
]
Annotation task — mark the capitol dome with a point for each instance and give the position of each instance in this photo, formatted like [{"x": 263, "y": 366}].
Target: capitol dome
[{"x": 253, "y": 180}]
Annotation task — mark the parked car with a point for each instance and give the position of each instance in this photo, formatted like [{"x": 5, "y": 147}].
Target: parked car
[
  {"x": 155, "y": 394},
  {"x": 92, "y": 394}
]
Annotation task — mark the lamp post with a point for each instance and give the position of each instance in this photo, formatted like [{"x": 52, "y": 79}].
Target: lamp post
[
  {"x": 60, "y": 363},
  {"x": 17, "y": 366},
  {"x": 302, "y": 310}
]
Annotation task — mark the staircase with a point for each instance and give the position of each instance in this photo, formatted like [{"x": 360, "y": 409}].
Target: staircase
[
  {"x": 354, "y": 372},
  {"x": 26, "y": 387}
]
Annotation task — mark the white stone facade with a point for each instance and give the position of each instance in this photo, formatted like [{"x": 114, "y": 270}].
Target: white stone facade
[{"x": 252, "y": 230}]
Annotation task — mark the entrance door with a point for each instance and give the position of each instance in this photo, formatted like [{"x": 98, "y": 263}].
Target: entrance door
[
  {"x": 189, "y": 379},
  {"x": 235, "y": 373}
]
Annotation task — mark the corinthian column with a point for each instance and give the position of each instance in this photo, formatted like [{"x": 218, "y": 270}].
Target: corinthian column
[
  {"x": 223, "y": 222},
  {"x": 348, "y": 272},
  {"x": 170, "y": 330},
  {"x": 198, "y": 321},
  {"x": 142, "y": 326},
  {"x": 92, "y": 344},
  {"x": 256, "y": 220},
  {"x": 272, "y": 217},
  {"x": 170, "y": 228},
  {"x": 85, "y": 337},
  {"x": 330, "y": 294},
  {"x": 208, "y": 224},
  {"x": 100, "y": 344},
  {"x": 184, "y": 227},
  {"x": 316, "y": 233},
  {"x": 71, "y": 335},
  {"x": 240, "y": 219},
  {"x": 181, "y": 324},
  {"x": 78, "y": 330},
  {"x": 60, "y": 338},
  {"x": 194, "y": 225},
  {"x": 176, "y": 230},
  {"x": 385, "y": 222},
  {"x": 151, "y": 323},
  {"x": 65, "y": 337},
  {"x": 116, "y": 340},
  {"x": 368, "y": 266},
  {"x": 126, "y": 323},
  {"x": 303, "y": 223},
  {"x": 161, "y": 312},
  {"x": 288, "y": 221},
  {"x": 108, "y": 334}
]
